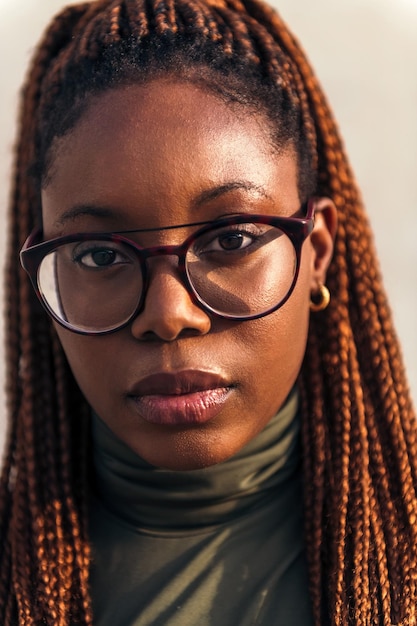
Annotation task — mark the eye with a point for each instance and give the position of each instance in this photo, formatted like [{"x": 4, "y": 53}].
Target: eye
[
  {"x": 95, "y": 255},
  {"x": 230, "y": 239},
  {"x": 233, "y": 240}
]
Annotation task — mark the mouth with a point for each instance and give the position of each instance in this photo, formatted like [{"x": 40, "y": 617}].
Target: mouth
[{"x": 181, "y": 398}]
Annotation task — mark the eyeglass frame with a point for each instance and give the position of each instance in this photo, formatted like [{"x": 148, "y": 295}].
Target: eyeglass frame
[{"x": 296, "y": 228}]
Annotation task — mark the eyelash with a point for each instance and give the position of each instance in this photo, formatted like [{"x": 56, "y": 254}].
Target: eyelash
[
  {"x": 241, "y": 230},
  {"x": 82, "y": 255}
]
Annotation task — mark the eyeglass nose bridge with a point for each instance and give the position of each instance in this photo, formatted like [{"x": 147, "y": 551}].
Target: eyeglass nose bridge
[
  {"x": 178, "y": 250},
  {"x": 173, "y": 250}
]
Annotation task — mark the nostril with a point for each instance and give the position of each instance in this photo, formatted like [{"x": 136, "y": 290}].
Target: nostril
[{"x": 152, "y": 336}]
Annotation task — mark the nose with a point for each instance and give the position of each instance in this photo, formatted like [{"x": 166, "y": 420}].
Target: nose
[{"x": 169, "y": 311}]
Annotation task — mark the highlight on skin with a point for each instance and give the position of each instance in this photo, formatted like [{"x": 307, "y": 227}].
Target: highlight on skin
[{"x": 359, "y": 436}]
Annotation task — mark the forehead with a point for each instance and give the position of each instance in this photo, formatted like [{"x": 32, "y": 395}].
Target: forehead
[
  {"x": 175, "y": 111},
  {"x": 148, "y": 143}
]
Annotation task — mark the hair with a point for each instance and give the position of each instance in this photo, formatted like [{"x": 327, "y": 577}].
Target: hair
[{"x": 359, "y": 433}]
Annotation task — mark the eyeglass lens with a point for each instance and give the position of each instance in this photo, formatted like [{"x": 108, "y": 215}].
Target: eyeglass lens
[{"x": 238, "y": 270}]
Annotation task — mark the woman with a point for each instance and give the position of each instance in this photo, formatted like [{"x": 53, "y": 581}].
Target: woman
[{"x": 184, "y": 176}]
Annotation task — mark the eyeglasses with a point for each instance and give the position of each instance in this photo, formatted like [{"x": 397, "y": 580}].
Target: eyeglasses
[{"x": 238, "y": 268}]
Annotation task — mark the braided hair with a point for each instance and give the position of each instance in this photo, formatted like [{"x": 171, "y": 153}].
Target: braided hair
[{"x": 359, "y": 434}]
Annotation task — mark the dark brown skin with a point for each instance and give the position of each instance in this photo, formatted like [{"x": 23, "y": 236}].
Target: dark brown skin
[{"x": 145, "y": 154}]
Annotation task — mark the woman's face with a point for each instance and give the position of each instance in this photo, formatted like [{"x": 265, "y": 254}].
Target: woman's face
[{"x": 183, "y": 389}]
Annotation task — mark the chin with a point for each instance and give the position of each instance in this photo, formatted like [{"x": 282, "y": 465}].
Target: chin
[{"x": 185, "y": 454}]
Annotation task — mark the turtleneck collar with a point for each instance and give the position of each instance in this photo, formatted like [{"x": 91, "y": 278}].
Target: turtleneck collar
[{"x": 158, "y": 499}]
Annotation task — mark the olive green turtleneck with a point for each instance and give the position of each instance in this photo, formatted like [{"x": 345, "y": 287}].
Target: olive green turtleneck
[{"x": 221, "y": 546}]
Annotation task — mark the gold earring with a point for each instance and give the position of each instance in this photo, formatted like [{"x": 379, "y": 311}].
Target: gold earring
[{"x": 320, "y": 300}]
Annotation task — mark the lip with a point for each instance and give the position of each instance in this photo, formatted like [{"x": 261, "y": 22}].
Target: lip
[{"x": 181, "y": 398}]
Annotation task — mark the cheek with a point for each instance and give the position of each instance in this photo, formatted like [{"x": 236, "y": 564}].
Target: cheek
[
  {"x": 281, "y": 337},
  {"x": 273, "y": 349},
  {"x": 90, "y": 360}
]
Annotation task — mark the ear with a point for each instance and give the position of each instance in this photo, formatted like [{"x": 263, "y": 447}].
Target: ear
[{"x": 322, "y": 239}]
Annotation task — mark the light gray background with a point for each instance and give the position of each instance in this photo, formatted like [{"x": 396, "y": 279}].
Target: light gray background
[{"x": 365, "y": 54}]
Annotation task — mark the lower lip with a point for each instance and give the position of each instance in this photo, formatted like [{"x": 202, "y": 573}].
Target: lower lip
[{"x": 179, "y": 410}]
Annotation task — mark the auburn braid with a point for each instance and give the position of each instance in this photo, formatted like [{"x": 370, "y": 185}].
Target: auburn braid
[
  {"x": 40, "y": 528},
  {"x": 370, "y": 422},
  {"x": 359, "y": 434}
]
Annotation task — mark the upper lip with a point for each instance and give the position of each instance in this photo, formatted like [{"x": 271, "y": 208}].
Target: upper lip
[{"x": 177, "y": 383}]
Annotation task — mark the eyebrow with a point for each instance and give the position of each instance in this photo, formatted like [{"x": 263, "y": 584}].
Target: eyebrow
[
  {"x": 80, "y": 210},
  {"x": 212, "y": 194}
]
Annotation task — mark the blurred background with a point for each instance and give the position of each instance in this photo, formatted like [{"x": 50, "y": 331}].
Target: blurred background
[{"x": 365, "y": 54}]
